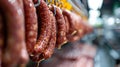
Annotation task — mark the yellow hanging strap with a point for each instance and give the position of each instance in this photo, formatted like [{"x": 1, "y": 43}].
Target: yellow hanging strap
[
  {"x": 61, "y": 3},
  {"x": 66, "y": 4}
]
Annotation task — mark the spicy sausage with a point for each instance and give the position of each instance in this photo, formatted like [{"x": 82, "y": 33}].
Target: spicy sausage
[
  {"x": 44, "y": 22},
  {"x": 31, "y": 25},
  {"x": 61, "y": 28},
  {"x": 69, "y": 16},
  {"x": 52, "y": 42}
]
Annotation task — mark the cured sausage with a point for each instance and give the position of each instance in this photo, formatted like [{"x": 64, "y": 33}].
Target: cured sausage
[
  {"x": 78, "y": 26},
  {"x": 51, "y": 45},
  {"x": 44, "y": 22},
  {"x": 31, "y": 25},
  {"x": 15, "y": 37},
  {"x": 61, "y": 28},
  {"x": 23, "y": 53},
  {"x": 52, "y": 42},
  {"x": 68, "y": 14}
]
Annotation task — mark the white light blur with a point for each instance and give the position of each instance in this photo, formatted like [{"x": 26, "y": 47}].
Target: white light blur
[
  {"x": 12, "y": 1},
  {"x": 111, "y": 21},
  {"x": 114, "y": 54},
  {"x": 117, "y": 21},
  {"x": 95, "y": 4},
  {"x": 94, "y": 13}
]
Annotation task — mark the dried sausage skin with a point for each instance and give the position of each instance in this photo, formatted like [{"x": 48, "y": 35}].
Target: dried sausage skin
[
  {"x": 61, "y": 27},
  {"x": 15, "y": 37},
  {"x": 72, "y": 30},
  {"x": 52, "y": 42},
  {"x": 44, "y": 22},
  {"x": 31, "y": 25}
]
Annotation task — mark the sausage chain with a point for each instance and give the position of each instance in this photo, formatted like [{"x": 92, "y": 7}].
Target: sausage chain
[
  {"x": 61, "y": 28},
  {"x": 52, "y": 42},
  {"x": 51, "y": 45},
  {"x": 35, "y": 31},
  {"x": 44, "y": 22}
]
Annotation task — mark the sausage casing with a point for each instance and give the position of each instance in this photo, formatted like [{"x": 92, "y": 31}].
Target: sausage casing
[
  {"x": 61, "y": 28},
  {"x": 52, "y": 42},
  {"x": 15, "y": 37},
  {"x": 44, "y": 22},
  {"x": 69, "y": 16},
  {"x": 31, "y": 25}
]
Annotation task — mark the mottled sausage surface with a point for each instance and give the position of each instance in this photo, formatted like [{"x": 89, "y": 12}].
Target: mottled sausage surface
[
  {"x": 44, "y": 22},
  {"x": 31, "y": 25},
  {"x": 61, "y": 28},
  {"x": 23, "y": 53},
  {"x": 15, "y": 37},
  {"x": 52, "y": 42}
]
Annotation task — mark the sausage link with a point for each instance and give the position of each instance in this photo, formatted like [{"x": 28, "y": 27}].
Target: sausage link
[
  {"x": 15, "y": 37},
  {"x": 79, "y": 28},
  {"x": 44, "y": 22},
  {"x": 31, "y": 25},
  {"x": 51, "y": 45},
  {"x": 61, "y": 27},
  {"x": 68, "y": 14},
  {"x": 24, "y": 54}
]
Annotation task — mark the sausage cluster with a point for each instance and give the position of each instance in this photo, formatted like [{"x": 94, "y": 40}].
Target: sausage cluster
[{"x": 29, "y": 31}]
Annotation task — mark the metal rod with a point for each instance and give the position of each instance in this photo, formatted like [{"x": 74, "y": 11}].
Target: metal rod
[{"x": 38, "y": 3}]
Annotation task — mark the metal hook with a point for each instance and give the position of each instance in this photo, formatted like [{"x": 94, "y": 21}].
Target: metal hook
[
  {"x": 54, "y": 7},
  {"x": 38, "y": 3},
  {"x": 54, "y": 10},
  {"x": 46, "y": 1}
]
